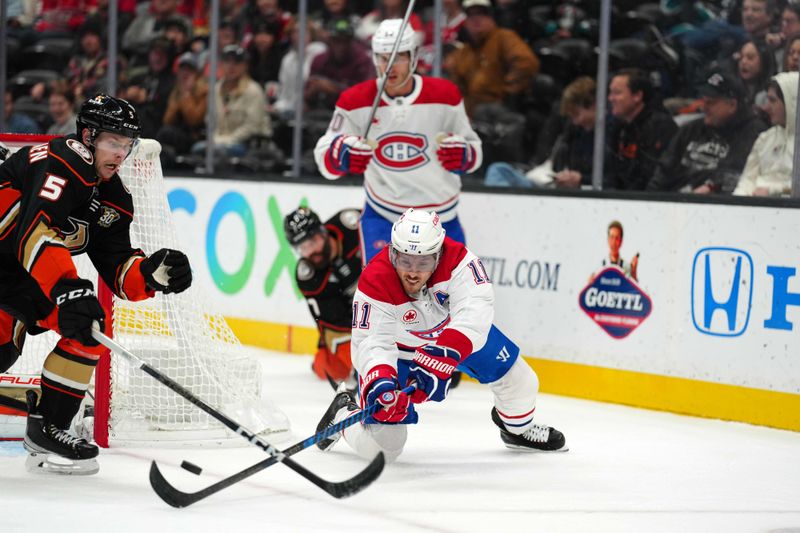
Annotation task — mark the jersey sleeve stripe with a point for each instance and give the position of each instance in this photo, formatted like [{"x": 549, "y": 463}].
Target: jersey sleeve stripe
[
  {"x": 129, "y": 280},
  {"x": 8, "y": 218}
]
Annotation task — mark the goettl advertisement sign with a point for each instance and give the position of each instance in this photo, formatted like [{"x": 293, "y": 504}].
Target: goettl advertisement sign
[
  {"x": 613, "y": 298},
  {"x": 615, "y": 302}
]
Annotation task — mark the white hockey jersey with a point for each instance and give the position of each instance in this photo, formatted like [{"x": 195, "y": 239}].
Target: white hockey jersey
[
  {"x": 404, "y": 172},
  {"x": 455, "y": 309}
]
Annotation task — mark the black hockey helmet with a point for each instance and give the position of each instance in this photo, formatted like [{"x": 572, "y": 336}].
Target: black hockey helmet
[
  {"x": 106, "y": 113},
  {"x": 301, "y": 224}
]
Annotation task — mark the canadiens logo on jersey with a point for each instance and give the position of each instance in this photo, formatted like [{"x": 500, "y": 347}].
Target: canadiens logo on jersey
[
  {"x": 107, "y": 216},
  {"x": 402, "y": 151}
]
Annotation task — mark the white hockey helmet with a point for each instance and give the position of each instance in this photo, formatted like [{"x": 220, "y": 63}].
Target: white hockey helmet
[
  {"x": 385, "y": 36},
  {"x": 418, "y": 232}
]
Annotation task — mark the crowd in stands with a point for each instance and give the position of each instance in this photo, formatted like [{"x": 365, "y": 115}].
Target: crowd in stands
[{"x": 701, "y": 96}]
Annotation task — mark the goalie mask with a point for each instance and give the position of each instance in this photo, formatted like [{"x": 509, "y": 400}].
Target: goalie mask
[
  {"x": 384, "y": 39},
  {"x": 417, "y": 239}
]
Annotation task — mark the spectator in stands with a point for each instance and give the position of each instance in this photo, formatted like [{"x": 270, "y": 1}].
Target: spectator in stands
[
  {"x": 241, "y": 106},
  {"x": 334, "y": 10},
  {"x": 260, "y": 11},
  {"x": 453, "y": 18},
  {"x": 790, "y": 24},
  {"x": 17, "y": 122},
  {"x": 150, "y": 21},
  {"x": 345, "y": 63},
  {"x": 86, "y": 71},
  {"x": 758, "y": 17},
  {"x": 184, "y": 118},
  {"x": 149, "y": 91},
  {"x": 570, "y": 163},
  {"x": 62, "y": 108},
  {"x": 20, "y": 15},
  {"x": 265, "y": 52},
  {"x": 640, "y": 132},
  {"x": 768, "y": 170},
  {"x": 791, "y": 56},
  {"x": 126, "y": 10},
  {"x": 288, "y": 90},
  {"x": 494, "y": 66},
  {"x": 708, "y": 154},
  {"x": 756, "y": 66},
  {"x": 179, "y": 34},
  {"x": 387, "y": 9}
]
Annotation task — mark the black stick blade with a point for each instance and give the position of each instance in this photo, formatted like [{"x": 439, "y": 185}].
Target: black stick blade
[
  {"x": 167, "y": 492},
  {"x": 360, "y": 481}
]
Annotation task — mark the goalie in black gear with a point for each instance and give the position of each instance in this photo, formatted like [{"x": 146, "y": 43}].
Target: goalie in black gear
[
  {"x": 327, "y": 273},
  {"x": 60, "y": 199}
]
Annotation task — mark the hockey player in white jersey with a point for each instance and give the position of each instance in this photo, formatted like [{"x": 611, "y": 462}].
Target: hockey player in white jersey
[
  {"x": 420, "y": 142},
  {"x": 424, "y": 307}
]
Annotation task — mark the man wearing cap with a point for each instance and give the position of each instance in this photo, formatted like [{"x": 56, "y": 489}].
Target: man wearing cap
[
  {"x": 344, "y": 64},
  {"x": 708, "y": 154},
  {"x": 494, "y": 64},
  {"x": 241, "y": 106},
  {"x": 184, "y": 119}
]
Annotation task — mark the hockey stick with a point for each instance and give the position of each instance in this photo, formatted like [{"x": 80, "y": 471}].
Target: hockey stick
[
  {"x": 340, "y": 489},
  {"x": 385, "y": 76},
  {"x": 177, "y": 498}
]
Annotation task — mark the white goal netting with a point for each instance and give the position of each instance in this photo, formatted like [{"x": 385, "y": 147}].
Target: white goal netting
[{"x": 178, "y": 334}]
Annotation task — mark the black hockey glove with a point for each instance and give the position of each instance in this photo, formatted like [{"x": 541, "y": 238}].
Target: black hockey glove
[
  {"x": 78, "y": 308},
  {"x": 167, "y": 271},
  {"x": 348, "y": 276}
]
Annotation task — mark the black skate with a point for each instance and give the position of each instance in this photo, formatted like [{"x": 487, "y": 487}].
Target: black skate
[
  {"x": 539, "y": 438},
  {"x": 344, "y": 399},
  {"x": 54, "y": 450}
]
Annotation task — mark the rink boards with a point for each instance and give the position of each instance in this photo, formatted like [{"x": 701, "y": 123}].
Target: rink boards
[{"x": 709, "y": 326}]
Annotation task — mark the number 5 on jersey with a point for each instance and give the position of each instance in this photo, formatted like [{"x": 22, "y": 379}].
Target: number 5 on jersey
[
  {"x": 363, "y": 323},
  {"x": 52, "y": 188}
]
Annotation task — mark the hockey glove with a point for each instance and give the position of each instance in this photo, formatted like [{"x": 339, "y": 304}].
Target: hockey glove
[
  {"x": 347, "y": 275},
  {"x": 78, "y": 308},
  {"x": 432, "y": 368},
  {"x": 167, "y": 271},
  {"x": 381, "y": 386},
  {"x": 454, "y": 153},
  {"x": 350, "y": 154}
]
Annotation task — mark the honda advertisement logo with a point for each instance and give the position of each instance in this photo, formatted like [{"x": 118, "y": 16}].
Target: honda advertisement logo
[{"x": 722, "y": 291}]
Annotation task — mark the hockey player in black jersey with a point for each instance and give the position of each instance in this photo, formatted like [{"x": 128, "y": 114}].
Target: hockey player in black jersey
[
  {"x": 327, "y": 274},
  {"x": 60, "y": 199}
]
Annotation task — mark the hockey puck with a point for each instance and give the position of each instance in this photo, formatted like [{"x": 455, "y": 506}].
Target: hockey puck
[{"x": 191, "y": 467}]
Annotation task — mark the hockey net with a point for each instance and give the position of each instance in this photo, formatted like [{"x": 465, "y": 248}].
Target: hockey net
[{"x": 179, "y": 334}]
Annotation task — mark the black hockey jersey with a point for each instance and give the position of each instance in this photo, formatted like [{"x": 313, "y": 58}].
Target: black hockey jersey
[
  {"x": 52, "y": 206},
  {"x": 329, "y": 292}
]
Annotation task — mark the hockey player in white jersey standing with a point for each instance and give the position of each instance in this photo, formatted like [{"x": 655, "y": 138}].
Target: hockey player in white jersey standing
[
  {"x": 420, "y": 142},
  {"x": 424, "y": 307}
]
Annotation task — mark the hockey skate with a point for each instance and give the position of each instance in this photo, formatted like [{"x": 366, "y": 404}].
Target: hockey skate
[
  {"x": 539, "y": 438},
  {"x": 343, "y": 404},
  {"x": 54, "y": 450}
]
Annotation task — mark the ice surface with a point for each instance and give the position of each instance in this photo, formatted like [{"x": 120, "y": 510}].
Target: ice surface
[{"x": 627, "y": 470}]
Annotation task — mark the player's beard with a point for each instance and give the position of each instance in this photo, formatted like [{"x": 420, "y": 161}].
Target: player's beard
[{"x": 320, "y": 260}]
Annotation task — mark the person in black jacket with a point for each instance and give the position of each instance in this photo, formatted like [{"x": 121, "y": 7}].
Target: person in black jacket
[
  {"x": 641, "y": 131},
  {"x": 708, "y": 154}
]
